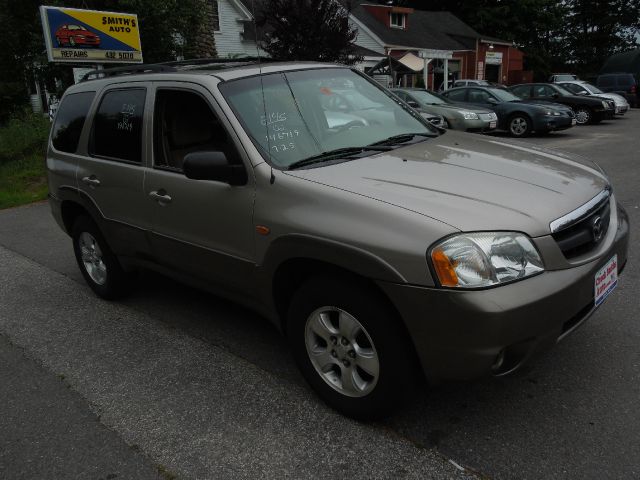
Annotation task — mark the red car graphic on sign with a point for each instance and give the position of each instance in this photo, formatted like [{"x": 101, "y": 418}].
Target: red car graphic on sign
[{"x": 76, "y": 36}]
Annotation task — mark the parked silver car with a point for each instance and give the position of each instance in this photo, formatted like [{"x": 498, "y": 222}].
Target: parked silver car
[
  {"x": 375, "y": 249},
  {"x": 468, "y": 118},
  {"x": 580, "y": 87}
]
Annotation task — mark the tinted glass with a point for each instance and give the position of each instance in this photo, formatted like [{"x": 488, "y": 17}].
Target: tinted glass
[
  {"x": 456, "y": 95},
  {"x": 117, "y": 127},
  {"x": 542, "y": 91},
  {"x": 625, "y": 81},
  {"x": 70, "y": 120},
  {"x": 184, "y": 123},
  {"x": 503, "y": 95},
  {"x": 523, "y": 91},
  {"x": 605, "y": 81},
  {"x": 478, "y": 96}
]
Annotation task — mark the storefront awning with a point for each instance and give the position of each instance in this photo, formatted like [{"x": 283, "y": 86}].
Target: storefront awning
[{"x": 412, "y": 62}]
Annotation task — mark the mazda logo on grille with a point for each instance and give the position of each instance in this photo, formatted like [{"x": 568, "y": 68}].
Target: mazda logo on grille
[{"x": 596, "y": 228}]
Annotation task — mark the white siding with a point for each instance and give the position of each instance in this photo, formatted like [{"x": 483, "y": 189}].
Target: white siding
[
  {"x": 229, "y": 40},
  {"x": 365, "y": 40}
]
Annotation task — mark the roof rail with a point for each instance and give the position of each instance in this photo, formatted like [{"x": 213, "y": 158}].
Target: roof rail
[{"x": 130, "y": 70}]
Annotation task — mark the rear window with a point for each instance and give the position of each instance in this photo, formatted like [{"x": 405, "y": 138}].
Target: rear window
[
  {"x": 117, "y": 127},
  {"x": 625, "y": 80},
  {"x": 70, "y": 120}
]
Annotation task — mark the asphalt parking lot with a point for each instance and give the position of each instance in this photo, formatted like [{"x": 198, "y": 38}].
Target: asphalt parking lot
[{"x": 174, "y": 382}]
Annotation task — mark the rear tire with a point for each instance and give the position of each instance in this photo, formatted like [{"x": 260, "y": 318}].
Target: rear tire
[
  {"x": 98, "y": 264},
  {"x": 350, "y": 347}
]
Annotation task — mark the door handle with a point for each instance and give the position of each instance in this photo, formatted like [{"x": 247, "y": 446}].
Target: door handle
[
  {"x": 92, "y": 181},
  {"x": 160, "y": 196}
]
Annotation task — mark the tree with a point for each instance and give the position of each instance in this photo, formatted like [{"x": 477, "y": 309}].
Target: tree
[
  {"x": 317, "y": 30},
  {"x": 597, "y": 29}
]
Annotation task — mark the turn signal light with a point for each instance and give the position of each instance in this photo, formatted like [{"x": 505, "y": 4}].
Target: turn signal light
[{"x": 444, "y": 269}]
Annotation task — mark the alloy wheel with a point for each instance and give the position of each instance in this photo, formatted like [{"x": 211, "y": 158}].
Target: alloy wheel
[
  {"x": 92, "y": 258},
  {"x": 518, "y": 126},
  {"x": 341, "y": 351},
  {"x": 583, "y": 116}
]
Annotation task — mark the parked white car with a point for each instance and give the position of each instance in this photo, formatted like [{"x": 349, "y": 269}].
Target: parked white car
[{"x": 580, "y": 87}]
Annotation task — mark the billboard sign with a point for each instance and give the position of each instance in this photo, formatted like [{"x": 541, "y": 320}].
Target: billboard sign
[{"x": 90, "y": 36}]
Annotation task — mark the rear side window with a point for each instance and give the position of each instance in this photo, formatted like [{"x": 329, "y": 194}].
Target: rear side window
[
  {"x": 117, "y": 127},
  {"x": 523, "y": 91},
  {"x": 70, "y": 120}
]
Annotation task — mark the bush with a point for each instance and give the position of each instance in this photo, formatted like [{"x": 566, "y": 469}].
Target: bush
[
  {"x": 22, "y": 136},
  {"x": 23, "y": 141}
]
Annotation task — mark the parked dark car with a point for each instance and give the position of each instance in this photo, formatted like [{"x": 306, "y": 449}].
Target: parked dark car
[
  {"x": 76, "y": 36},
  {"x": 519, "y": 118},
  {"x": 586, "y": 109},
  {"x": 624, "y": 84},
  {"x": 456, "y": 116}
]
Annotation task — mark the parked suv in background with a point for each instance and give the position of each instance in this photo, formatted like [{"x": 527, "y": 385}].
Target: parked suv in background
[
  {"x": 375, "y": 247},
  {"x": 624, "y": 84}
]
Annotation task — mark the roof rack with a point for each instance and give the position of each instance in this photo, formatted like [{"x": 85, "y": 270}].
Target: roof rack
[{"x": 132, "y": 70}]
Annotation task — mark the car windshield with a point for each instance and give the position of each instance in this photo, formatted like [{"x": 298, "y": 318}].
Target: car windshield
[
  {"x": 562, "y": 90},
  {"x": 504, "y": 95},
  {"x": 591, "y": 88},
  {"x": 428, "y": 98},
  {"x": 297, "y": 115}
]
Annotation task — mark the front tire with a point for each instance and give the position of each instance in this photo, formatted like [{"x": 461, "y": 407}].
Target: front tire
[
  {"x": 98, "y": 264},
  {"x": 520, "y": 125},
  {"x": 350, "y": 347},
  {"x": 583, "y": 116}
]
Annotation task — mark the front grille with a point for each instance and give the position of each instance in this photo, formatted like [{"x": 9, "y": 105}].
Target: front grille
[{"x": 586, "y": 233}]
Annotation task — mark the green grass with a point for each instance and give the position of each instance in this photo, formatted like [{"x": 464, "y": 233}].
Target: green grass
[{"x": 22, "y": 166}]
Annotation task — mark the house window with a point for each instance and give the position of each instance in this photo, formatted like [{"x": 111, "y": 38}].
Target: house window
[
  {"x": 397, "y": 19},
  {"x": 215, "y": 15}
]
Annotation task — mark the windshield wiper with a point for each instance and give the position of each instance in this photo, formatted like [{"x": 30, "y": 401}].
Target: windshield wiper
[
  {"x": 337, "y": 153},
  {"x": 404, "y": 137}
]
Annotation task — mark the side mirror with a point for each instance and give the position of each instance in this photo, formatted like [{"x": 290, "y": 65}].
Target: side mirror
[
  {"x": 213, "y": 166},
  {"x": 555, "y": 95},
  {"x": 413, "y": 103},
  {"x": 492, "y": 101}
]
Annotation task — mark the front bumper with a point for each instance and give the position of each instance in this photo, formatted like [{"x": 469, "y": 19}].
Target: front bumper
[
  {"x": 479, "y": 125},
  {"x": 549, "y": 123},
  {"x": 622, "y": 109},
  {"x": 461, "y": 334}
]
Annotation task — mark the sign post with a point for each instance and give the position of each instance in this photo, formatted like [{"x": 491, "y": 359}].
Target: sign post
[{"x": 89, "y": 36}]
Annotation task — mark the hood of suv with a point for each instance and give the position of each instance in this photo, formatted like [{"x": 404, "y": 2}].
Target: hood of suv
[{"x": 469, "y": 182}]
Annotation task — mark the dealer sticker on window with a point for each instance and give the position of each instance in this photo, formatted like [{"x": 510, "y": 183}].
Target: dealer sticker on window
[{"x": 606, "y": 280}]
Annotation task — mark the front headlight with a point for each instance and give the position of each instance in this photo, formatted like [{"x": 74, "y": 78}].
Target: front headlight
[
  {"x": 469, "y": 115},
  {"x": 485, "y": 259},
  {"x": 605, "y": 104}
]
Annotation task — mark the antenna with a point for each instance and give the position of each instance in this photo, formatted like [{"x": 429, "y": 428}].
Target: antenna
[{"x": 272, "y": 178}]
